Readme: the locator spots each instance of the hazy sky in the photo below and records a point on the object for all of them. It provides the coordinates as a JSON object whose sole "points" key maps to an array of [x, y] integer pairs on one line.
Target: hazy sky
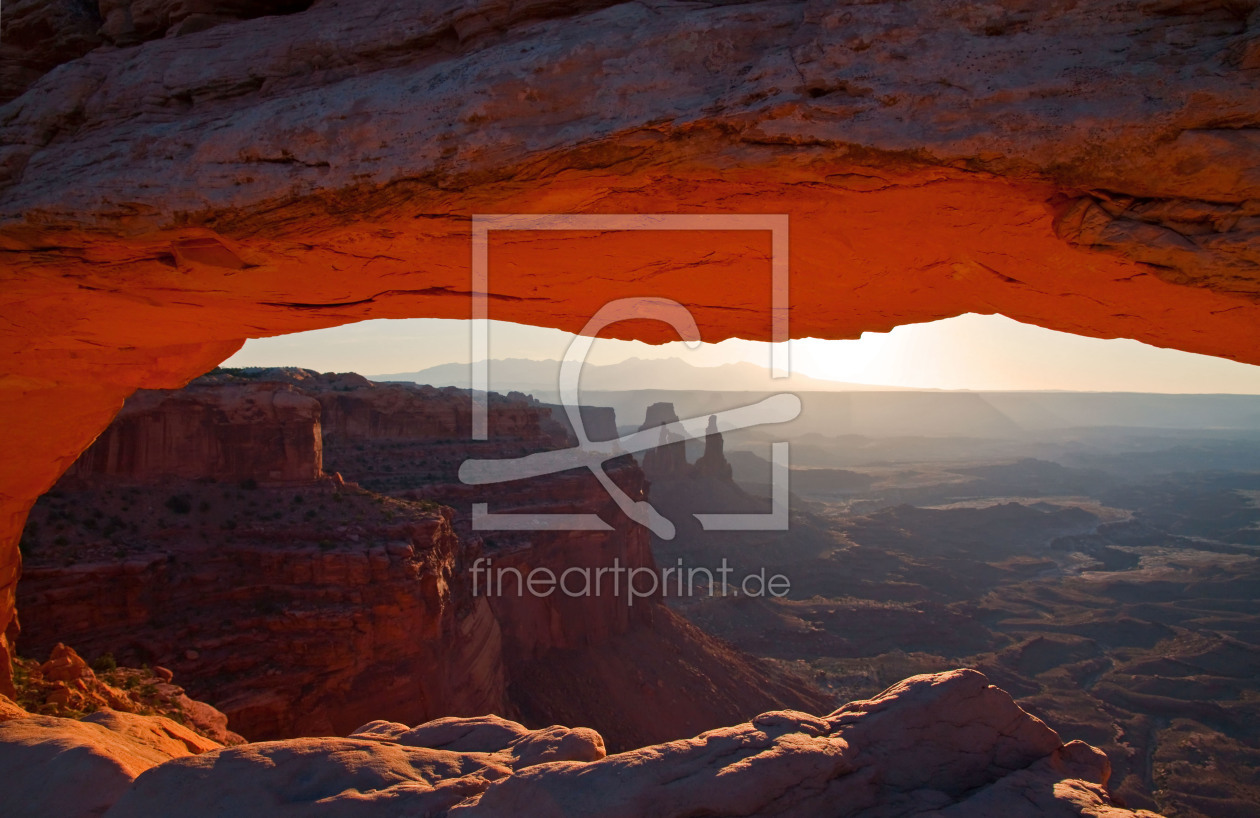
{"points": [[967, 352]]}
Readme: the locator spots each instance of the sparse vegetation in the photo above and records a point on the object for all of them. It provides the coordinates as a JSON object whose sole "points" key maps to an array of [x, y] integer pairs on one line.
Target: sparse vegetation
{"points": [[104, 663]]}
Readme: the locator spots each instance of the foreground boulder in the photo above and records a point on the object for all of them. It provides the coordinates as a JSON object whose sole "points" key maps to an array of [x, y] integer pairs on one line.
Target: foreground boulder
{"points": [[946, 744], [942, 744], [61, 767], [10, 709]]}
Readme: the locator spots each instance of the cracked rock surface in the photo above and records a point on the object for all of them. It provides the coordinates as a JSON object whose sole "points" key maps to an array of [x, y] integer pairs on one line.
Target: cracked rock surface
{"points": [[946, 744]]}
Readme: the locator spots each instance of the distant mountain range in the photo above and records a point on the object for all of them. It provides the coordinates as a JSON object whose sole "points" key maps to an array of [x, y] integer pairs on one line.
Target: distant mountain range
{"points": [[671, 374]]}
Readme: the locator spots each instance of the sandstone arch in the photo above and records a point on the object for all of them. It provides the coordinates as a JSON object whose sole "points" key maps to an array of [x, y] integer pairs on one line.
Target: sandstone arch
{"points": [[1093, 168]]}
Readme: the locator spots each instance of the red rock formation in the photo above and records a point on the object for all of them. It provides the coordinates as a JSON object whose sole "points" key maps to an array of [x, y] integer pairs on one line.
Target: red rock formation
{"points": [[10, 709], [301, 610], [941, 745], [668, 460], [1086, 167], [713, 462], [380, 412], [77, 769], [299, 627], [600, 422], [603, 658], [66, 686], [269, 433]]}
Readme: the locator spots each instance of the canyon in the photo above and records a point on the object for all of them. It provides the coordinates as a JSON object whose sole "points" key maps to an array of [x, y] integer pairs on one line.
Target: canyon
{"points": [[339, 602], [202, 533], [1103, 575]]}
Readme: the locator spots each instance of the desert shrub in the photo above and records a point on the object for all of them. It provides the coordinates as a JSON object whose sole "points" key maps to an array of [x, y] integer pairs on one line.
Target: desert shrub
{"points": [[104, 663], [249, 484]]}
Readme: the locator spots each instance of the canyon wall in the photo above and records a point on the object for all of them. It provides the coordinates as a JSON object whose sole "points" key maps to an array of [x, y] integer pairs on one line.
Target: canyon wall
{"points": [[229, 434], [1091, 168], [299, 608], [299, 627], [589, 651]]}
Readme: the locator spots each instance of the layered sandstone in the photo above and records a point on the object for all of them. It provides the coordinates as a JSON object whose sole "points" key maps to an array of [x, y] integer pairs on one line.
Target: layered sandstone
{"points": [[942, 745], [592, 652], [1086, 167], [264, 433], [301, 624], [681, 491], [304, 609]]}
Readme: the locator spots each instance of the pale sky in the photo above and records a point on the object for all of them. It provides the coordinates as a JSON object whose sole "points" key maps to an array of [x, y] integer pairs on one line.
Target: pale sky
{"points": [[983, 352]]}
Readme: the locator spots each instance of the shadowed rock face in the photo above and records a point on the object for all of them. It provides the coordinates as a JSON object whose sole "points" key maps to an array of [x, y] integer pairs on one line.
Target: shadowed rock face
{"points": [[229, 434], [1086, 167], [713, 462], [939, 745], [309, 607], [669, 458]]}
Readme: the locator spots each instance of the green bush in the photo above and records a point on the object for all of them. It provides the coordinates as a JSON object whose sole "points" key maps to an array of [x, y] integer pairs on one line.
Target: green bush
{"points": [[105, 663]]}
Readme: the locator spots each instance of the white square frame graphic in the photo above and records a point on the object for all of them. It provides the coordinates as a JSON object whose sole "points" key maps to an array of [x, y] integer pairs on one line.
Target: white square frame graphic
{"points": [[780, 355]]}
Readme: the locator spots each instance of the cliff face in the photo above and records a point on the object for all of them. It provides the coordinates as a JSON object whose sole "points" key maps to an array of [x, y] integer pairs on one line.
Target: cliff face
{"points": [[713, 462], [406, 412], [668, 460], [268, 434], [410, 441], [591, 652], [298, 624], [299, 609]]}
